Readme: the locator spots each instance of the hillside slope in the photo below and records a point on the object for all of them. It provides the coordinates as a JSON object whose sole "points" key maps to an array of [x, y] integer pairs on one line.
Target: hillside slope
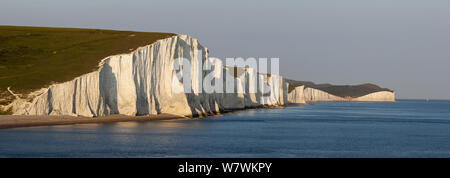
{"points": [[36, 57]]}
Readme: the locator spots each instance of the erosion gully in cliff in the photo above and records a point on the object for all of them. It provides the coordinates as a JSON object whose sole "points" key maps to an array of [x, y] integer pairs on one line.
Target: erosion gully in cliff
{"points": [[142, 82]]}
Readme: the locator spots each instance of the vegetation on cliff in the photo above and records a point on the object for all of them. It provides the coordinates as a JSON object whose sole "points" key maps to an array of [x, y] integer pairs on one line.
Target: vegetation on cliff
{"points": [[35, 57]]}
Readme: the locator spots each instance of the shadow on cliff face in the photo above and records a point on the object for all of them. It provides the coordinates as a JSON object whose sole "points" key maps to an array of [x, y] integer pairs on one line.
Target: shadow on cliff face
{"points": [[199, 103], [204, 104], [50, 103], [196, 101], [142, 101], [108, 92]]}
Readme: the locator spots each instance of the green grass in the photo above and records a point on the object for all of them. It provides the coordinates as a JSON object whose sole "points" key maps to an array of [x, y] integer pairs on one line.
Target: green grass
{"points": [[35, 57]]}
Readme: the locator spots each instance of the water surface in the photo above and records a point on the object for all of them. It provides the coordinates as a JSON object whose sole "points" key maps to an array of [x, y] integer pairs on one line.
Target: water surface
{"points": [[407, 128]]}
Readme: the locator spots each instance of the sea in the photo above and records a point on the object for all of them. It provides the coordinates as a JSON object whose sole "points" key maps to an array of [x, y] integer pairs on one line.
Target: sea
{"points": [[402, 129]]}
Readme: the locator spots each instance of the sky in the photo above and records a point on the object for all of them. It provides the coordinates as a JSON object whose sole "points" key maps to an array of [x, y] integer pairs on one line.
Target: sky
{"points": [[403, 45]]}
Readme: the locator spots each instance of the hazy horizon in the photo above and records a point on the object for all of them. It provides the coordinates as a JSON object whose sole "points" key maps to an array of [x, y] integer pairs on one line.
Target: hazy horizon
{"points": [[403, 45]]}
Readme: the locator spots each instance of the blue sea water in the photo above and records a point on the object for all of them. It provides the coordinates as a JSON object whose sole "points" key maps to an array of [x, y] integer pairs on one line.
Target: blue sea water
{"points": [[407, 128]]}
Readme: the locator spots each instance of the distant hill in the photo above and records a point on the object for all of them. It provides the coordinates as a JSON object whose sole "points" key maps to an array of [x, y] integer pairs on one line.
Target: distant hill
{"points": [[340, 90], [35, 57]]}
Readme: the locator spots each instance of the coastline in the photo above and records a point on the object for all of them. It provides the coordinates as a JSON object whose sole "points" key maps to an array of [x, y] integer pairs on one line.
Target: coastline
{"points": [[15, 121]]}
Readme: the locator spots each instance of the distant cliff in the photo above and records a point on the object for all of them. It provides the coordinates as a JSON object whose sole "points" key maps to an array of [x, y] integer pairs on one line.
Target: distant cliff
{"points": [[327, 92]]}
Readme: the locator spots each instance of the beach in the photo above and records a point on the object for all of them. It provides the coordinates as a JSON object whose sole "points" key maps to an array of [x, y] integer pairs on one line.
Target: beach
{"points": [[13, 121]]}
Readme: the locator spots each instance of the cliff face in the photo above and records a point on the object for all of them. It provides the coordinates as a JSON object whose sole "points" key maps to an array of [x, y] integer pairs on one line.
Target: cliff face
{"points": [[315, 95], [382, 96], [140, 83], [296, 96]]}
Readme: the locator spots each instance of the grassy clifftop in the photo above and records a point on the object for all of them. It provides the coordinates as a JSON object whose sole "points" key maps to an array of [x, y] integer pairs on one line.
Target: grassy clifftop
{"points": [[35, 57]]}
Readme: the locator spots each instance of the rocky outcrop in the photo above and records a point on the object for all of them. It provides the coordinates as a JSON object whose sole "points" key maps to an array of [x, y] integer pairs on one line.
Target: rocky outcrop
{"points": [[140, 83]]}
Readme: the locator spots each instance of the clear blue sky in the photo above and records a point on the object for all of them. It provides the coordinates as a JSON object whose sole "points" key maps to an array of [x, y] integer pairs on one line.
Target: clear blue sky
{"points": [[399, 44]]}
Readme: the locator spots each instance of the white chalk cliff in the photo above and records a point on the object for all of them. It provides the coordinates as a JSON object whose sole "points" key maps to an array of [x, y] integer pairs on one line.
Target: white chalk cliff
{"points": [[381, 96], [296, 96], [140, 83], [316, 95]]}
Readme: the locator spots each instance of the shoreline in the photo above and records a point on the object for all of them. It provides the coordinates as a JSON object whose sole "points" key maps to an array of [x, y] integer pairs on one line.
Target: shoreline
{"points": [[16, 121]]}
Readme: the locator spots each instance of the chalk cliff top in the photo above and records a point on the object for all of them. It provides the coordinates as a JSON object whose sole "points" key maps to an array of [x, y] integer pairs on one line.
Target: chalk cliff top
{"points": [[353, 91], [34, 57]]}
